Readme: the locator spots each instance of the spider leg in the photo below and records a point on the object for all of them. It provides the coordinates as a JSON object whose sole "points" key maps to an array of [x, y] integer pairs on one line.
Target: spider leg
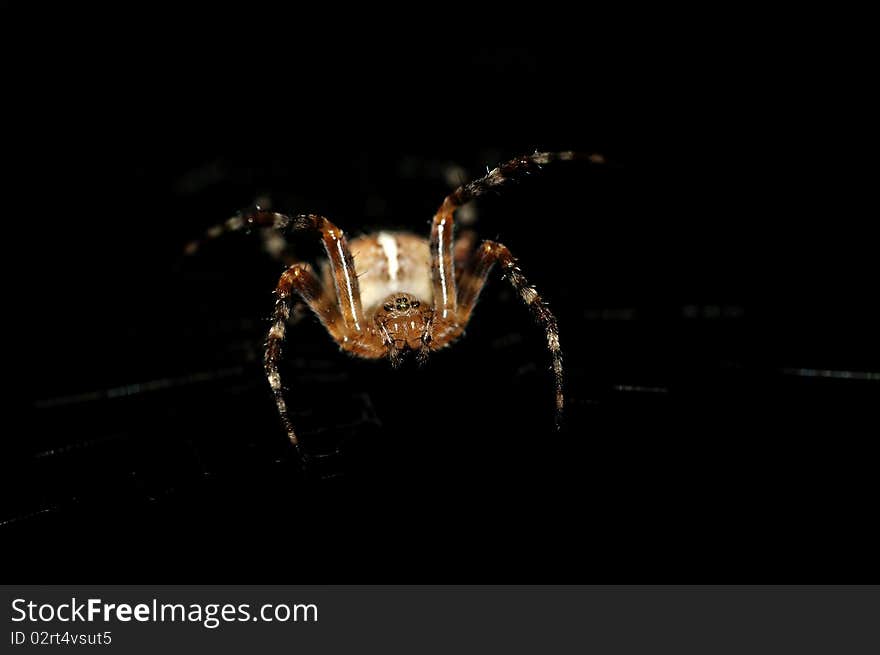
{"points": [[341, 261], [510, 172], [472, 284], [233, 224], [442, 258], [299, 280], [273, 243], [335, 245], [443, 266]]}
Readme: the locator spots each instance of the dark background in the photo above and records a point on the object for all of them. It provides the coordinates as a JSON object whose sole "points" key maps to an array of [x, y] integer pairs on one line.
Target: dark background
{"points": [[715, 291]]}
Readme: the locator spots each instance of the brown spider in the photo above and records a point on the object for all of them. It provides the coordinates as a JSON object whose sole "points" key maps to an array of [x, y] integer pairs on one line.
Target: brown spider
{"points": [[405, 293]]}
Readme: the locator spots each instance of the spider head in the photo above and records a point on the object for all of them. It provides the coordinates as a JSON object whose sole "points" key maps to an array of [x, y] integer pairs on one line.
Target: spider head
{"points": [[403, 321]]}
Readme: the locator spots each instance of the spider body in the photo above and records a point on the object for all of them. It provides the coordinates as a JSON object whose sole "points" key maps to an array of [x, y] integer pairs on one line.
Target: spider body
{"points": [[392, 293], [387, 263]]}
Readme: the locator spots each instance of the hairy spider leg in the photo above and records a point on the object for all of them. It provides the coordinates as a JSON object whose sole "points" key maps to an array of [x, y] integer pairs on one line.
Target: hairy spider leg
{"points": [[453, 309], [443, 259], [299, 280], [341, 264], [509, 172], [296, 279], [234, 224], [339, 312], [273, 242], [335, 245], [443, 266], [472, 284]]}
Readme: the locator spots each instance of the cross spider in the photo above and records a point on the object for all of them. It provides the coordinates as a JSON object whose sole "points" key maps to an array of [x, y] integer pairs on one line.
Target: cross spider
{"points": [[404, 293]]}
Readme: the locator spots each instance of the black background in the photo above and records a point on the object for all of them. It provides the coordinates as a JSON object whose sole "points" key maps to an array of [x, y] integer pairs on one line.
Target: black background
{"points": [[694, 281]]}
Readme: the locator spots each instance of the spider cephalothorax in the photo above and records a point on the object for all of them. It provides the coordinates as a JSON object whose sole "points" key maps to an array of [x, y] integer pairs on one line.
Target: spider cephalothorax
{"points": [[405, 324], [402, 293]]}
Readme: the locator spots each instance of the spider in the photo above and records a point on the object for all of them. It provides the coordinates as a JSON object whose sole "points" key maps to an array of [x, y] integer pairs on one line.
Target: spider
{"points": [[404, 294]]}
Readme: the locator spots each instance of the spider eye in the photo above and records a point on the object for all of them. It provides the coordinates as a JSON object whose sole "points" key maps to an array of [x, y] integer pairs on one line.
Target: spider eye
{"points": [[415, 303], [387, 306]]}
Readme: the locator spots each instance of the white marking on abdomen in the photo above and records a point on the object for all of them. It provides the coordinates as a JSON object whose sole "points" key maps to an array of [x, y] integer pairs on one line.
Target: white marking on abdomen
{"points": [[373, 264], [389, 247]]}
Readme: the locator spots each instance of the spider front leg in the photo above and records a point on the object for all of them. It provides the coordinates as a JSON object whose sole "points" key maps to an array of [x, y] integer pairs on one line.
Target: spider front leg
{"points": [[443, 265], [472, 284], [341, 262], [443, 252], [300, 280]]}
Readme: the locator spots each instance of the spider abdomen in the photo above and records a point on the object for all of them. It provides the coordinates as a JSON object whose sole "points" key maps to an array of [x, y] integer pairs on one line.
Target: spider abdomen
{"points": [[388, 263]]}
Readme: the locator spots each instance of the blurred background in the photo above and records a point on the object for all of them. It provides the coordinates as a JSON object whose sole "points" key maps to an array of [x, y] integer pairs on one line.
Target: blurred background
{"points": [[714, 288]]}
